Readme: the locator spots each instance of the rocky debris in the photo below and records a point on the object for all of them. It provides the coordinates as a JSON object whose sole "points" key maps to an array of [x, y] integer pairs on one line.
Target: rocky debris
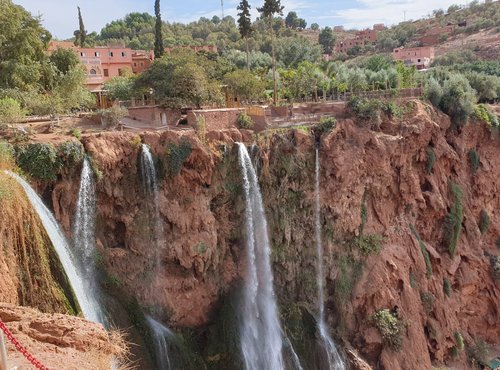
{"points": [[60, 341]]}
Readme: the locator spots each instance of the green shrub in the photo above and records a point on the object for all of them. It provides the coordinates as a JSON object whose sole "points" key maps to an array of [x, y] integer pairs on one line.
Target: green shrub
{"points": [[245, 121], [350, 271], [394, 110], [474, 160], [484, 221], [390, 327], [369, 244], [447, 289], [425, 252], [482, 113], [364, 217], [479, 353], [433, 91], [366, 110], [10, 110], [70, 153], [136, 142], [453, 220], [6, 155], [75, 133], [177, 155], [201, 128], [325, 125], [413, 280], [40, 161], [431, 159], [495, 267], [110, 118], [428, 301], [459, 340], [458, 99]]}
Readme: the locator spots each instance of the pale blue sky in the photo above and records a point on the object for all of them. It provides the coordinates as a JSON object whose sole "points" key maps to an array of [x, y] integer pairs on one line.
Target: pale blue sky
{"points": [[60, 16]]}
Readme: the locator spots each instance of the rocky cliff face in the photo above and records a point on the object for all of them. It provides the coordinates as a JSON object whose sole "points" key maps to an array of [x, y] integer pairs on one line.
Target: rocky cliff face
{"points": [[390, 204]]}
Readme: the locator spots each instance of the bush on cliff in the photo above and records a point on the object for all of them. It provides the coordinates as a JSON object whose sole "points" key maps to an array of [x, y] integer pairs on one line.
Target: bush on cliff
{"points": [[10, 111], [245, 121], [39, 160], [484, 221], [367, 111], [391, 328], [453, 220], [482, 113], [325, 125]]}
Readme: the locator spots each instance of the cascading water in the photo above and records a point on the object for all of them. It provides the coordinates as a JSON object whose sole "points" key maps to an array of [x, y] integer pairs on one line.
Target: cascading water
{"points": [[161, 337], [86, 300], [335, 362], [84, 250], [261, 341]]}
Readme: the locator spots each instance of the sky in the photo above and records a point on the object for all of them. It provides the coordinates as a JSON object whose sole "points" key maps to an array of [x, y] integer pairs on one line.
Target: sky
{"points": [[60, 16]]}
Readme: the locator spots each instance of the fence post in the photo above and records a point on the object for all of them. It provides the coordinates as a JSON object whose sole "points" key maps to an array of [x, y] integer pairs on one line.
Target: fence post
{"points": [[3, 353]]}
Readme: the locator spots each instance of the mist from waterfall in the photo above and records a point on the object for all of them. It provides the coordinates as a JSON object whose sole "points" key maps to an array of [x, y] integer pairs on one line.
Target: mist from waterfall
{"points": [[335, 361], [260, 332], [85, 297]]}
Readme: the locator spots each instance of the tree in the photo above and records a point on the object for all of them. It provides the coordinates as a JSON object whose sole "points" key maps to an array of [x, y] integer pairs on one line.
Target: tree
{"points": [[120, 88], [453, 8], [291, 51], [327, 40], [158, 31], [64, 60], [270, 8], [23, 42], [315, 26], [245, 25], [80, 34], [10, 111], [291, 20], [245, 85], [458, 99]]}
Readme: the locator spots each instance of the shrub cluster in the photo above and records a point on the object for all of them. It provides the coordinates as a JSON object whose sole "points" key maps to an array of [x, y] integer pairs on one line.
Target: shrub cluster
{"points": [[366, 110], [453, 220], [245, 121], [391, 328], [484, 221], [447, 289], [474, 160], [431, 159], [482, 113], [177, 155], [325, 125]]}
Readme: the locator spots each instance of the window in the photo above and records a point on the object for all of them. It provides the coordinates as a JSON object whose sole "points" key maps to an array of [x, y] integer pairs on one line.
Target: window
{"points": [[124, 54], [93, 71], [419, 60], [142, 64], [97, 54], [110, 53], [82, 54], [135, 64], [106, 73]]}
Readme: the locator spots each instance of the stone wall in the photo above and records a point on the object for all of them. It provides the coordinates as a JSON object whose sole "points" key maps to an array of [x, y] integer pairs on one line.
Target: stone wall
{"points": [[155, 115], [215, 119]]}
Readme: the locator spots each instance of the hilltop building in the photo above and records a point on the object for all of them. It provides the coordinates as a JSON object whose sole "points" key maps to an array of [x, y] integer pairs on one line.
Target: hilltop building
{"points": [[421, 57], [361, 39]]}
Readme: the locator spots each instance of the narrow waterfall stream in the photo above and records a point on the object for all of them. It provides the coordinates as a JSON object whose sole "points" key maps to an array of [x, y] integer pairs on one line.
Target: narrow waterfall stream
{"points": [[335, 362], [260, 334], [84, 250], [161, 335], [86, 300]]}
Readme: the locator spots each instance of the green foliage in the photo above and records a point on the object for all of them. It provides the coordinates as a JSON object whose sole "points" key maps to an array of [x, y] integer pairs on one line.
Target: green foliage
{"points": [[327, 40], [70, 153], [40, 161], [64, 60], [158, 31], [201, 128], [458, 99], [292, 51], [406, 75], [111, 117], [474, 160], [394, 110], [484, 221], [80, 34], [365, 110], [244, 19], [245, 85], [121, 88], [75, 133], [369, 244], [431, 159], [433, 91], [425, 252], [6, 155], [447, 289], [270, 8], [495, 267], [453, 220], [325, 125], [428, 301], [459, 340], [391, 328], [413, 280], [176, 155], [482, 113], [350, 271], [245, 121], [10, 111]]}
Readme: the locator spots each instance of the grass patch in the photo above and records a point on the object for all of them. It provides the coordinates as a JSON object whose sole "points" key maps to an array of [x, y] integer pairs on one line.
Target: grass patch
{"points": [[431, 159], [350, 271], [453, 220], [176, 155], [425, 252], [484, 221], [447, 289], [474, 160], [369, 244], [428, 301]]}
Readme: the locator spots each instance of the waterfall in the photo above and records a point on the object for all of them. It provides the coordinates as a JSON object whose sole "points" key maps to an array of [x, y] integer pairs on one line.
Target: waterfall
{"points": [[333, 357], [261, 341], [161, 336], [84, 250], [150, 182], [85, 297]]}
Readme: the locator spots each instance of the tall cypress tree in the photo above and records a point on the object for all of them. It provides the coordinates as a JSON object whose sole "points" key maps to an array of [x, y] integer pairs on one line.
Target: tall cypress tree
{"points": [[158, 32], [270, 8], [80, 34], [245, 24]]}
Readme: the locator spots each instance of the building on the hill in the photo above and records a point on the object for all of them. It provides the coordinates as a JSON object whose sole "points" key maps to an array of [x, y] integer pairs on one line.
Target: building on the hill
{"points": [[141, 60], [361, 39], [101, 63], [420, 57]]}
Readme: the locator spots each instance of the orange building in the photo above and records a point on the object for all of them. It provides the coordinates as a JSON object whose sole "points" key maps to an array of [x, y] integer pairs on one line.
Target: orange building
{"points": [[101, 63], [361, 39], [421, 57], [141, 60]]}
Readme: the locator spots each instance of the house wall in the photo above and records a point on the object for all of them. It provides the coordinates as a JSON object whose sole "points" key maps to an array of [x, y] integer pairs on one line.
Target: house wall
{"points": [[215, 119], [152, 115]]}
